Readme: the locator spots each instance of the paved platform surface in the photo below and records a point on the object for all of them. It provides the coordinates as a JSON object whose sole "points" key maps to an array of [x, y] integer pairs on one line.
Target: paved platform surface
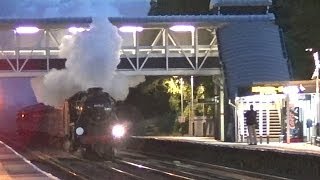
{"points": [[293, 148], [15, 166]]}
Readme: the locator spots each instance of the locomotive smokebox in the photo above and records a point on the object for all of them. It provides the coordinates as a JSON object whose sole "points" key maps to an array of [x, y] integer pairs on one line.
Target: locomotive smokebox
{"points": [[95, 90]]}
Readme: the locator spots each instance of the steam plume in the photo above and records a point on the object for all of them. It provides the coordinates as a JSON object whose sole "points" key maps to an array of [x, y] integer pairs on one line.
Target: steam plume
{"points": [[92, 56]]}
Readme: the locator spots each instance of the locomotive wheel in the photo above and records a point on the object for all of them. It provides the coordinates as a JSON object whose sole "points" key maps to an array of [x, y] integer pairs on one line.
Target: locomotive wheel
{"points": [[109, 152], [67, 145]]}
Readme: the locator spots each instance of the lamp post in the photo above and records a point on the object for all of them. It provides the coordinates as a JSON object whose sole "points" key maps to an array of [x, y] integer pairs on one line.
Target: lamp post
{"points": [[181, 92], [315, 75]]}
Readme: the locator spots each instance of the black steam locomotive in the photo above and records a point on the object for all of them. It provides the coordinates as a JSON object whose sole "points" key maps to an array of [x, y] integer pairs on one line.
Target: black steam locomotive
{"points": [[95, 126], [87, 122]]}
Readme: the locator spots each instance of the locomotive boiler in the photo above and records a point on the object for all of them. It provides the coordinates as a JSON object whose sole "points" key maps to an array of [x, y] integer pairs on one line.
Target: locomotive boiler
{"points": [[87, 122]]}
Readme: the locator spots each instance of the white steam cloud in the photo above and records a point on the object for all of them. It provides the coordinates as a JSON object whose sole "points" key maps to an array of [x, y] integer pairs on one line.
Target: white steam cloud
{"points": [[92, 56]]}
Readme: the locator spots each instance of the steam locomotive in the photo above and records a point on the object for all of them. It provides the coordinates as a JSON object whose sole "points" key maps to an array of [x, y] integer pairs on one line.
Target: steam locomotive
{"points": [[87, 122]]}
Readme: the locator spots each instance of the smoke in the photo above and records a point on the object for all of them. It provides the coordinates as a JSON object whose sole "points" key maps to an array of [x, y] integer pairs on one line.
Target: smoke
{"points": [[92, 56]]}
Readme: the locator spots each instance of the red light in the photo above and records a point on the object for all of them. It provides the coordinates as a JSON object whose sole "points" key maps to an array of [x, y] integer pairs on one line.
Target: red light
{"points": [[22, 115]]}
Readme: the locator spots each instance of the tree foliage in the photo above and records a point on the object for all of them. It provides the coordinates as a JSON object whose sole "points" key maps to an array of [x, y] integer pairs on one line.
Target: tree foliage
{"points": [[299, 20]]}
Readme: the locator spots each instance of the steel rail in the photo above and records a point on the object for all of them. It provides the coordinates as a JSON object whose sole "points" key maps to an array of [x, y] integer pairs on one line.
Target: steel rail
{"points": [[212, 166], [104, 165], [182, 172], [168, 174], [54, 162]]}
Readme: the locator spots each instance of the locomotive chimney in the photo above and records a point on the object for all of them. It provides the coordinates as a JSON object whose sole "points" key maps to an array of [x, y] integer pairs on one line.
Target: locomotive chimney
{"points": [[95, 90]]}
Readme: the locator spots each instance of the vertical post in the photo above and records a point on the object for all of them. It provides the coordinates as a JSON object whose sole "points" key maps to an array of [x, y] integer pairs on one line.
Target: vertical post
{"points": [[167, 48], [216, 108], [221, 100], [260, 119], [241, 119], [191, 112], [268, 121], [17, 49], [164, 39], [181, 91], [317, 95], [316, 73], [46, 36], [236, 123], [137, 49], [235, 119], [288, 118], [195, 44]]}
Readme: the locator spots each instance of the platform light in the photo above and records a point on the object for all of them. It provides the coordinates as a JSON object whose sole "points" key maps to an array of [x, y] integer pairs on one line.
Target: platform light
{"points": [[27, 30], [131, 29], [291, 90], [79, 131], [118, 131], [75, 30], [182, 28]]}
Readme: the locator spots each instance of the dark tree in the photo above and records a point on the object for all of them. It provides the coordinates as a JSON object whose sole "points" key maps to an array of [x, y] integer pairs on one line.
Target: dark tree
{"points": [[300, 22]]}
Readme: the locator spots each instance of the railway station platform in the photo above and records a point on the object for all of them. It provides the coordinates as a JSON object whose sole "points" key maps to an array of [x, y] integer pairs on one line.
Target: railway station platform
{"points": [[303, 148], [293, 161], [15, 166]]}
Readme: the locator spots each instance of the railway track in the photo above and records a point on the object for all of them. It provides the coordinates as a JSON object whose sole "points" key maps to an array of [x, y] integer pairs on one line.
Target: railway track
{"points": [[134, 165], [73, 167], [193, 169], [116, 169]]}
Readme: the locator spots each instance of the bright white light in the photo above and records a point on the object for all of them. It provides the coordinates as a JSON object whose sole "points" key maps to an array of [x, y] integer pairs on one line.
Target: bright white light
{"points": [[75, 30], [68, 36], [316, 59], [291, 90], [131, 29], [182, 28], [302, 88], [27, 30], [79, 131], [118, 131]]}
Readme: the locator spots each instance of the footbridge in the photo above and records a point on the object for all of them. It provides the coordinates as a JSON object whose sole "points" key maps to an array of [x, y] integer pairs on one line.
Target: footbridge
{"points": [[154, 48]]}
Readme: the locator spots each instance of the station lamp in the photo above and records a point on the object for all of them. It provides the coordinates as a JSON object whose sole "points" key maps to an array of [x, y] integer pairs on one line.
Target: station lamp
{"points": [[315, 76], [182, 28], [75, 30], [130, 29], [27, 30]]}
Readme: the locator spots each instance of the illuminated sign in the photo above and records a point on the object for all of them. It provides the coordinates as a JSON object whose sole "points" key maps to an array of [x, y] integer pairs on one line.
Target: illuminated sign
{"points": [[267, 90]]}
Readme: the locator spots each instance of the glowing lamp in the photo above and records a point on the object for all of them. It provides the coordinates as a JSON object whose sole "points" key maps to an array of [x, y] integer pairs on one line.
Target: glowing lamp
{"points": [[27, 30], [182, 28], [131, 29], [75, 30], [291, 90], [316, 59], [118, 131]]}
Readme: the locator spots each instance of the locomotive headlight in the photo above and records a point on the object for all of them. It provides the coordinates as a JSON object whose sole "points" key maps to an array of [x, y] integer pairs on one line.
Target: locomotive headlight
{"points": [[118, 131], [107, 109], [79, 131]]}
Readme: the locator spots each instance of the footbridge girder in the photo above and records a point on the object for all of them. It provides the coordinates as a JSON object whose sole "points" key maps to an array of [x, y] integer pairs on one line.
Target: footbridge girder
{"points": [[156, 50]]}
